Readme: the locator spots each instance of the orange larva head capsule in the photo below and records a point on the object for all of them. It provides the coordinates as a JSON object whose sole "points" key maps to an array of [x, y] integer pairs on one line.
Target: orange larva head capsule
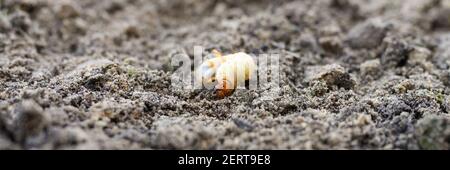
{"points": [[224, 88]]}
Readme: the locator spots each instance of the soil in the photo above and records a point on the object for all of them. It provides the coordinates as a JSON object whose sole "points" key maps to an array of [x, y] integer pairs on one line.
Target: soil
{"points": [[96, 74]]}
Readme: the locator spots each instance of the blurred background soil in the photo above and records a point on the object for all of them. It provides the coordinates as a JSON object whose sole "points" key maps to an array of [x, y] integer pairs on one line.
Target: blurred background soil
{"points": [[96, 74]]}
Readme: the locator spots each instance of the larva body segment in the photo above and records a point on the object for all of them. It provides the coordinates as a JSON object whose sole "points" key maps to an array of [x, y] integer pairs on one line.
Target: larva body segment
{"points": [[237, 69]]}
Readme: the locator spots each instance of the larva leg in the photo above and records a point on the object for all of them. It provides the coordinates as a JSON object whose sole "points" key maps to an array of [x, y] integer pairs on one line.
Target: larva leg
{"points": [[217, 53]]}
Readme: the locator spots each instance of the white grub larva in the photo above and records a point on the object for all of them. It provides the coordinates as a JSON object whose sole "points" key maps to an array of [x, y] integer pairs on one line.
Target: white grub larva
{"points": [[226, 71]]}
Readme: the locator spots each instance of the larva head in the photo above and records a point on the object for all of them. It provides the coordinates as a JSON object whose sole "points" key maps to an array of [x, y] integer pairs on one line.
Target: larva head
{"points": [[224, 88]]}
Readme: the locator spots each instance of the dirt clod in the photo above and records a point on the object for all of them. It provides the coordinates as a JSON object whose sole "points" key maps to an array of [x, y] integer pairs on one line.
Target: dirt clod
{"points": [[30, 122]]}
